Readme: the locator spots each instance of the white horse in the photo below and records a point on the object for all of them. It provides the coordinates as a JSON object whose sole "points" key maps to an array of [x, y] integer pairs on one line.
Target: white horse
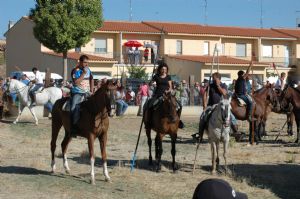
{"points": [[218, 131], [46, 96]]}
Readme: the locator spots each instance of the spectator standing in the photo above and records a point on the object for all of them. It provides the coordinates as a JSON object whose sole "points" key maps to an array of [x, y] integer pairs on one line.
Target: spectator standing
{"points": [[184, 93], [146, 54], [131, 55], [137, 56], [144, 93], [197, 93]]}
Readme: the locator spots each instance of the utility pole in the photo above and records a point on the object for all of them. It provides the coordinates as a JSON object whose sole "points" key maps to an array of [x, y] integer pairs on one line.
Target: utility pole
{"points": [[261, 14], [298, 19], [205, 12], [130, 12]]}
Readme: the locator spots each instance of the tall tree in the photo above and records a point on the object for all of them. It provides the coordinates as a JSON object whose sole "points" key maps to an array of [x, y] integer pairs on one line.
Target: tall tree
{"points": [[61, 25]]}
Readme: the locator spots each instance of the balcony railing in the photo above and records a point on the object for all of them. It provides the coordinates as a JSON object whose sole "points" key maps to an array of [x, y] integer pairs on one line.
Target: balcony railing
{"points": [[126, 58]]}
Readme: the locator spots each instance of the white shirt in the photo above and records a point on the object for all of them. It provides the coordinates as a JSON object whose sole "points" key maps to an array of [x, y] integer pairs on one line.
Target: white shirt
{"points": [[38, 78], [279, 84]]}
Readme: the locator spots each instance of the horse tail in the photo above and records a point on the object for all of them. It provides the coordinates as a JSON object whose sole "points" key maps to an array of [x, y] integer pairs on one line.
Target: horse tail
{"points": [[56, 124]]}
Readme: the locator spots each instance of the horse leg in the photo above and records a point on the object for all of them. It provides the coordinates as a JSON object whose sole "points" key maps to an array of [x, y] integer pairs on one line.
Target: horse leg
{"points": [[158, 143], [102, 141], [21, 108], [298, 131], [64, 146], [173, 151], [91, 140], [217, 159], [56, 125], [213, 155], [33, 114], [148, 133], [290, 119], [225, 145]]}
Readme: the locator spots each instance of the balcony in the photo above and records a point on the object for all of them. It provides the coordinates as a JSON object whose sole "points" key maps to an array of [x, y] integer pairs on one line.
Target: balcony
{"points": [[126, 58]]}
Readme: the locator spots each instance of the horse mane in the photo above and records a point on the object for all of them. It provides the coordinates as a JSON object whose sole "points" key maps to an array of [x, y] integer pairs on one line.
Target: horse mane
{"points": [[18, 82], [259, 90], [297, 90], [93, 104]]}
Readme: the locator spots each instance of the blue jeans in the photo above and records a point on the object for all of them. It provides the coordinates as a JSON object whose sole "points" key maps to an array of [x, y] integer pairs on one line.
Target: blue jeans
{"points": [[121, 107], [76, 99], [33, 89], [248, 102]]}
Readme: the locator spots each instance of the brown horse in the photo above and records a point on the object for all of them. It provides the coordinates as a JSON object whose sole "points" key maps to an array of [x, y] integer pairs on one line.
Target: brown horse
{"points": [[262, 100], [93, 123], [291, 95], [164, 120]]}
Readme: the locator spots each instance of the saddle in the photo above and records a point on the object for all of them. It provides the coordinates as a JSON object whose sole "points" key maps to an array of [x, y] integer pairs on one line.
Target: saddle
{"points": [[241, 102], [67, 105]]}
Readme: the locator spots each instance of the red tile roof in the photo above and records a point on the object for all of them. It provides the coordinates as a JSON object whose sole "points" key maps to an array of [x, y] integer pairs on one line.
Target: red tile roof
{"points": [[216, 30], [292, 32], [127, 27], [222, 60], [76, 55]]}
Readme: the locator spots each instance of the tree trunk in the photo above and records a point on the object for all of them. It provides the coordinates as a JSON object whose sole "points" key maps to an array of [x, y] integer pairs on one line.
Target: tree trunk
{"points": [[65, 56]]}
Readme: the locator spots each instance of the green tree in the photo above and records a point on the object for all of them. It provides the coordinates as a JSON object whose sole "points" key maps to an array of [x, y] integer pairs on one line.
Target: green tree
{"points": [[61, 25], [138, 72]]}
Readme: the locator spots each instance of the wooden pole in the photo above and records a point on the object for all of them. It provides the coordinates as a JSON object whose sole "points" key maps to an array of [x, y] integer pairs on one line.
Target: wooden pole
{"points": [[253, 107], [192, 83], [47, 77]]}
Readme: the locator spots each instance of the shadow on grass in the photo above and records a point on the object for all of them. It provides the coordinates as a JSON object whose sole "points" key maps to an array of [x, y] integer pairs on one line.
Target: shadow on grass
{"points": [[282, 179], [32, 172], [22, 170]]}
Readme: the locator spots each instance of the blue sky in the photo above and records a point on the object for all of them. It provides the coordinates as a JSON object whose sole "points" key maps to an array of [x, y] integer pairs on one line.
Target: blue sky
{"points": [[276, 13]]}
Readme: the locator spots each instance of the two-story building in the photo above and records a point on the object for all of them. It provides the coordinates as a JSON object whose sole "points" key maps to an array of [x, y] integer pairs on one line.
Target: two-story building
{"points": [[189, 49]]}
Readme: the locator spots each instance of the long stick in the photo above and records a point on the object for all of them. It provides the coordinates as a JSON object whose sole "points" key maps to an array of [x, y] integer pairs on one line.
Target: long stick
{"points": [[211, 70], [198, 144], [137, 144], [253, 109], [138, 140]]}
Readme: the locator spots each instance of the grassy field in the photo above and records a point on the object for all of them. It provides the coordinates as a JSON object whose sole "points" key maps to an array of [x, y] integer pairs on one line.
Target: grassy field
{"points": [[267, 170]]}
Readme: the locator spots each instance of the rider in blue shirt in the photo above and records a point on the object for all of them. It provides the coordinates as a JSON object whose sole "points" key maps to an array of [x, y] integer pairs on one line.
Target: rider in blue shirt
{"points": [[83, 86]]}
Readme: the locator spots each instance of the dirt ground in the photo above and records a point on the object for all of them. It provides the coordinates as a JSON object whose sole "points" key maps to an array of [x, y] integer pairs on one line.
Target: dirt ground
{"points": [[268, 170]]}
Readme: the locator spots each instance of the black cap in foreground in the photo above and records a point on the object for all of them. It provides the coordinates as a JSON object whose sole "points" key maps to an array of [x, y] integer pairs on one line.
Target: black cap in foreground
{"points": [[216, 189]]}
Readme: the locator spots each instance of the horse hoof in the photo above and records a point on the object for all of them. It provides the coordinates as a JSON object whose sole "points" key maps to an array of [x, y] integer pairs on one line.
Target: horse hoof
{"points": [[14, 122], [68, 172], [108, 180], [93, 182]]}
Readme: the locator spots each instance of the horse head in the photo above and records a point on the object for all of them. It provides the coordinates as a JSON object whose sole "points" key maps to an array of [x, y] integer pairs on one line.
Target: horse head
{"points": [[169, 105], [285, 98], [224, 108], [272, 97]]}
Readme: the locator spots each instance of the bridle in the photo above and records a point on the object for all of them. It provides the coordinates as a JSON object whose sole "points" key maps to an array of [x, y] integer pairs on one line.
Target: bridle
{"points": [[17, 91]]}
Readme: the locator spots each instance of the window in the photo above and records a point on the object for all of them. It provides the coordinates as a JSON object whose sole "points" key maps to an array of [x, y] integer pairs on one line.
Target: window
{"points": [[223, 49], [241, 50], [100, 46], [206, 48], [179, 47], [267, 51], [78, 49]]}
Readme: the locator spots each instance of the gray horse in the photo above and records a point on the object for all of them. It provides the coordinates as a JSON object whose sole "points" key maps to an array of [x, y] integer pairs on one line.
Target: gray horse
{"points": [[218, 130]]}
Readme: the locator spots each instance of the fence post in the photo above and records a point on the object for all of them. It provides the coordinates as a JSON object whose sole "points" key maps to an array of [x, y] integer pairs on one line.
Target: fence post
{"points": [[47, 84], [47, 77], [191, 84]]}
